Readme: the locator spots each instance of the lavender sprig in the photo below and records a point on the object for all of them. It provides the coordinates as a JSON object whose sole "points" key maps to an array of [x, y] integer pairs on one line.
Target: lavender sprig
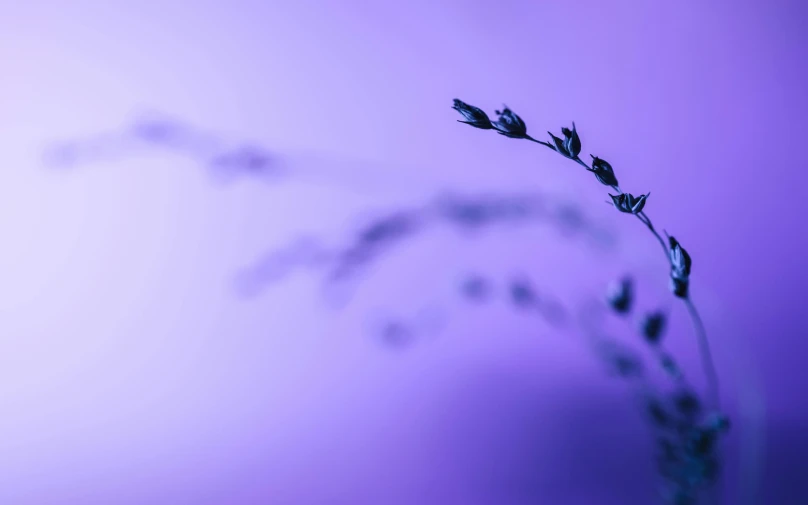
{"points": [[511, 125]]}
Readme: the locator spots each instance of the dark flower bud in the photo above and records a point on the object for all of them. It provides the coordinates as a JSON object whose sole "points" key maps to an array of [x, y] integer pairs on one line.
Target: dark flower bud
{"points": [[570, 145], [680, 268], [603, 171], [679, 287], [510, 125], [652, 326], [680, 259], [620, 295], [626, 202], [474, 116]]}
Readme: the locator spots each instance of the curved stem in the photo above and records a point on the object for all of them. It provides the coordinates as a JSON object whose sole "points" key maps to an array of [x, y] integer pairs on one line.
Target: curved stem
{"points": [[647, 221], [706, 355], [528, 137], [701, 333]]}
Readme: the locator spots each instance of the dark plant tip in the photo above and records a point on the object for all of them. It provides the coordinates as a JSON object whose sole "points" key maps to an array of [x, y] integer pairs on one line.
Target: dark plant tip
{"points": [[620, 296], [687, 403], [652, 326]]}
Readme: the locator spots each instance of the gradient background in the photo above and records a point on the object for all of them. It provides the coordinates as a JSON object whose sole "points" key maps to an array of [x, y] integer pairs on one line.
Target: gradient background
{"points": [[132, 373]]}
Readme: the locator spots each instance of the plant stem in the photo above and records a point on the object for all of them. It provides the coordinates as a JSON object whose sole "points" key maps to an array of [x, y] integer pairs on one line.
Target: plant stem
{"points": [[701, 333], [539, 142], [647, 221], [706, 355]]}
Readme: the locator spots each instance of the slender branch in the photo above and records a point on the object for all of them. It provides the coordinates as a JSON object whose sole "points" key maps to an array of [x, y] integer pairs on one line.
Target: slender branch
{"points": [[647, 221], [547, 144], [510, 125], [701, 333], [642, 216], [706, 355]]}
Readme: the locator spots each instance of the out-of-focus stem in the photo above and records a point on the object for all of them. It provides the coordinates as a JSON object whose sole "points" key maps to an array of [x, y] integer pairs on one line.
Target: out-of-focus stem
{"points": [[706, 355]]}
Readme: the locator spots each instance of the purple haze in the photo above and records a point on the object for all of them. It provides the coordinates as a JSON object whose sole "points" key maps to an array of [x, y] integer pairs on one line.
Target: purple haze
{"points": [[132, 373]]}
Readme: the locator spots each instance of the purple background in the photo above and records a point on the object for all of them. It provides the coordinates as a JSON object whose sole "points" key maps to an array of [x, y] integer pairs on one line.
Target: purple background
{"points": [[130, 373]]}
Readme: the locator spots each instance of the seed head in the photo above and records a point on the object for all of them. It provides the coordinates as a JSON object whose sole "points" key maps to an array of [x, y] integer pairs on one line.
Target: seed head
{"points": [[510, 125], [628, 203], [603, 171], [652, 326], [620, 295], [473, 116], [570, 145]]}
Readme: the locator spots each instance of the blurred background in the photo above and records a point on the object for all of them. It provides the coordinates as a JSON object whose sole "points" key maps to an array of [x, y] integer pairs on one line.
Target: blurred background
{"points": [[163, 163]]}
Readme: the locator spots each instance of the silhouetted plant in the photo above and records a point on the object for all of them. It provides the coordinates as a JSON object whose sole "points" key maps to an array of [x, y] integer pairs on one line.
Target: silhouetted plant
{"points": [[383, 233], [688, 460], [687, 433], [679, 260], [221, 158]]}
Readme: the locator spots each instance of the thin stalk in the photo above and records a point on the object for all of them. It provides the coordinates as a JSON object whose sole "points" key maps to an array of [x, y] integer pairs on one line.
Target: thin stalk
{"points": [[706, 355], [647, 221], [701, 334]]}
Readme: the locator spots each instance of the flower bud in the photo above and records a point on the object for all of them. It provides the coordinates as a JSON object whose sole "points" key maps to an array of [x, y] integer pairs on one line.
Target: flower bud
{"points": [[620, 296], [570, 145], [628, 203], [680, 287], [510, 125], [680, 268], [687, 403], [474, 116], [652, 326], [603, 171]]}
